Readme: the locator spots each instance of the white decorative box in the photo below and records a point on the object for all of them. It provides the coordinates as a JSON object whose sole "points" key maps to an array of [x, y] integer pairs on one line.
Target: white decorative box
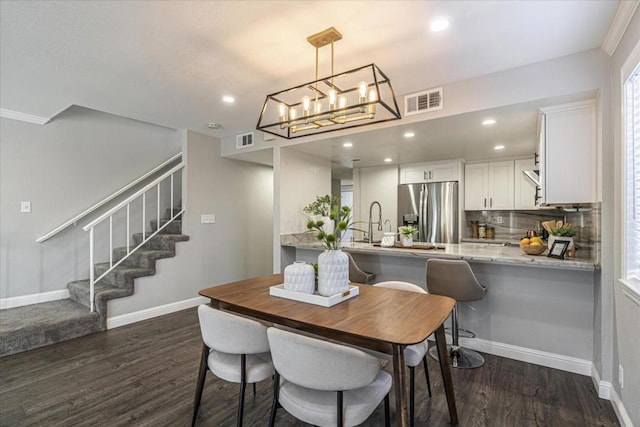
{"points": [[317, 299]]}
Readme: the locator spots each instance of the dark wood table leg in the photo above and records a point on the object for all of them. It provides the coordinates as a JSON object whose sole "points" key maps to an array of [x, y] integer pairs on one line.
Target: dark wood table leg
{"points": [[441, 344], [400, 386]]}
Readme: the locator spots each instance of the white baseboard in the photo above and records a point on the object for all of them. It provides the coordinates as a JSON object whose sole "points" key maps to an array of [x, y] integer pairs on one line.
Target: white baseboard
{"points": [[524, 354], [620, 410], [608, 392], [13, 302], [603, 387], [149, 313]]}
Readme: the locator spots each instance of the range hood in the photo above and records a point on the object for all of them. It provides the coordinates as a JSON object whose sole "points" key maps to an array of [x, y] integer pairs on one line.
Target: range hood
{"points": [[533, 176]]}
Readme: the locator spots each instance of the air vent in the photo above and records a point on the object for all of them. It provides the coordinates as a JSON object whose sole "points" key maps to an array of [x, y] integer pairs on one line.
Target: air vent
{"points": [[422, 102], [244, 140]]}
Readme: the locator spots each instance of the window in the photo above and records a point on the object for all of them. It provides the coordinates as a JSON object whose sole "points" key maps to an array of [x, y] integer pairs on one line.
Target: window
{"points": [[631, 202]]}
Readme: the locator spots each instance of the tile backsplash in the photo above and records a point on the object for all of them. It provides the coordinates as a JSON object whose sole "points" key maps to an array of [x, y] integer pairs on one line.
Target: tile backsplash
{"points": [[512, 225]]}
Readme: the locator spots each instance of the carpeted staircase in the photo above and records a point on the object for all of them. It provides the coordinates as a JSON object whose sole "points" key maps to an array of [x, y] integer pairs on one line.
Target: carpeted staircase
{"points": [[37, 325]]}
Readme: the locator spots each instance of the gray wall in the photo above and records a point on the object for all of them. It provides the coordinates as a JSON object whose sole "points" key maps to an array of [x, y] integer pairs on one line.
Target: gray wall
{"points": [[63, 168], [625, 343]]}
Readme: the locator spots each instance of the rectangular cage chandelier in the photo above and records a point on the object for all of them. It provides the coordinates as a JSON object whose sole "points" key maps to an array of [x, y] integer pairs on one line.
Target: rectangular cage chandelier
{"points": [[357, 97]]}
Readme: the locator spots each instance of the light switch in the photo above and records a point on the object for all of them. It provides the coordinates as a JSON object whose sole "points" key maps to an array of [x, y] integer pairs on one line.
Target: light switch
{"points": [[207, 219], [25, 207]]}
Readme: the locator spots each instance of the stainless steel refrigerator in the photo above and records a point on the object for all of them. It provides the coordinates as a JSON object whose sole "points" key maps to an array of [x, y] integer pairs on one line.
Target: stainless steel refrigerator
{"points": [[431, 208]]}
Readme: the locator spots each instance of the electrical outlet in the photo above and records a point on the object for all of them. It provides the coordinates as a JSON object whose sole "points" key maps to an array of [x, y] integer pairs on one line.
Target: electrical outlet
{"points": [[207, 219], [498, 220], [621, 376], [25, 207]]}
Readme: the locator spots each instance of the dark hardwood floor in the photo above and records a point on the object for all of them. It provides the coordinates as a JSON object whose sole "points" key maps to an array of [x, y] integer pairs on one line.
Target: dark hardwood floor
{"points": [[144, 375]]}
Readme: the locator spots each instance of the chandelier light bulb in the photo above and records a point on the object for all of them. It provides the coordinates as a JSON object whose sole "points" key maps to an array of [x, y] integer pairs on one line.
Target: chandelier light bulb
{"points": [[332, 98], [373, 97], [292, 113], [362, 89], [306, 103], [283, 111], [343, 102]]}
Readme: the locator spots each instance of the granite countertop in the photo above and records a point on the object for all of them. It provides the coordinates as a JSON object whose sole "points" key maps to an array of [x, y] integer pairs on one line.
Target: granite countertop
{"points": [[476, 252]]}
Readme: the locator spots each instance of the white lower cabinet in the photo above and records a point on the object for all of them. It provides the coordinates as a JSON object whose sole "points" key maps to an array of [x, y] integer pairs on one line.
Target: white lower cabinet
{"points": [[488, 186]]}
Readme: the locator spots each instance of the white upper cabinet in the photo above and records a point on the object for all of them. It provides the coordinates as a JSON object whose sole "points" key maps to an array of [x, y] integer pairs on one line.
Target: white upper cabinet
{"points": [[488, 186], [568, 153], [430, 172], [524, 189]]}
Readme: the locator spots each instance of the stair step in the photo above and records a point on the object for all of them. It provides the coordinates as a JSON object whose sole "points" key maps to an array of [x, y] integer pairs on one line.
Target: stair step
{"points": [[161, 241], [123, 275], [80, 291], [143, 257], [171, 212], [32, 326], [173, 227]]}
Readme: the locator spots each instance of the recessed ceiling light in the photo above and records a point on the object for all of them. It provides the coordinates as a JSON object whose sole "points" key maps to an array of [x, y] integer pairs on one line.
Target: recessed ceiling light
{"points": [[347, 145], [409, 134], [498, 147], [228, 99], [488, 122], [388, 160], [439, 24]]}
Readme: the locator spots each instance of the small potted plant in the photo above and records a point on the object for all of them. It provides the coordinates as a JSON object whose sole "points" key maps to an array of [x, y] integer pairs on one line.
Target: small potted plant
{"points": [[562, 232], [406, 235]]}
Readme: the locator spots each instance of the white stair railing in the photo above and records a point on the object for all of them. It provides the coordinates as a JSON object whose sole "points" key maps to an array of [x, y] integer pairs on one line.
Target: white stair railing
{"points": [[106, 200], [140, 194]]}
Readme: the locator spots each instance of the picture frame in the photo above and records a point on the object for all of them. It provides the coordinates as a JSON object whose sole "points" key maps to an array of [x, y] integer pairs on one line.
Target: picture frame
{"points": [[559, 248]]}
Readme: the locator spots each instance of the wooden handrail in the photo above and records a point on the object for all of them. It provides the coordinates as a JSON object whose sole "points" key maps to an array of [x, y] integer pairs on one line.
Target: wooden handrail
{"points": [[83, 214]]}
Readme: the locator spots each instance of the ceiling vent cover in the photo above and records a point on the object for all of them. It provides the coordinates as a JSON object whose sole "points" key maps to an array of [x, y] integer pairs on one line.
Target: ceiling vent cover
{"points": [[422, 102], [244, 140]]}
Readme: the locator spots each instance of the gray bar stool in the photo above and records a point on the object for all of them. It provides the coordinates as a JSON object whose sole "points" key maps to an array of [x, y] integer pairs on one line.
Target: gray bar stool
{"points": [[455, 279], [356, 274]]}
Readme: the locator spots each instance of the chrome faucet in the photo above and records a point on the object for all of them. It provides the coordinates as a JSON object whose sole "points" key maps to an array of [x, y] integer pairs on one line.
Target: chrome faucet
{"points": [[370, 237]]}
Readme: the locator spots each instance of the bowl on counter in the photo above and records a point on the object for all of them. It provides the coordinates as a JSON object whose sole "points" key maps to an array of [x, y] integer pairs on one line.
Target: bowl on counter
{"points": [[533, 249]]}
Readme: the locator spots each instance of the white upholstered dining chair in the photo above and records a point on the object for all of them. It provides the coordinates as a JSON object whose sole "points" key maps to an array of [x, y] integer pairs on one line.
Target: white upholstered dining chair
{"points": [[413, 354], [324, 383], [235, 349]]}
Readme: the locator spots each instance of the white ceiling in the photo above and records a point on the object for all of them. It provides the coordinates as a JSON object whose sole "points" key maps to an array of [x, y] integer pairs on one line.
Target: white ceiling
{"points": [[171, 62]]}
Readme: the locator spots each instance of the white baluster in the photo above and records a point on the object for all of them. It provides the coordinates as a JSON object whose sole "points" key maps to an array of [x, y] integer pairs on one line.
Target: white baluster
{"points": [[91, 269]]}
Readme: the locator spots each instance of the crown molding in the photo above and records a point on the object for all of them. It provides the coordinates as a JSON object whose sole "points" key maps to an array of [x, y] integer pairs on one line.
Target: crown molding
{"points": [[619, 25], [23, 117]]}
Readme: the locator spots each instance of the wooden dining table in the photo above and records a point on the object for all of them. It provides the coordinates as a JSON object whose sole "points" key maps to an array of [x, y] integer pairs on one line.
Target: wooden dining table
{"points": [[380, 319]]}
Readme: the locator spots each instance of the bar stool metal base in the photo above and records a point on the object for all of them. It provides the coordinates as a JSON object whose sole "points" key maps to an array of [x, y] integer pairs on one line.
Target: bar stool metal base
{"points": [[460, 358]]}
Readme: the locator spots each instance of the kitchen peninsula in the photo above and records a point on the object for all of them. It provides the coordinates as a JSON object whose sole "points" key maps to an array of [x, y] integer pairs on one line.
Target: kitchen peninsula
{"points": [[537, 309]]}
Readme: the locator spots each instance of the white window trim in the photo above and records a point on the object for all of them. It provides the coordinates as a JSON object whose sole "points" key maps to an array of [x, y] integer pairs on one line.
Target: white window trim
{"points": [[630, 287], [629, 291]]}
